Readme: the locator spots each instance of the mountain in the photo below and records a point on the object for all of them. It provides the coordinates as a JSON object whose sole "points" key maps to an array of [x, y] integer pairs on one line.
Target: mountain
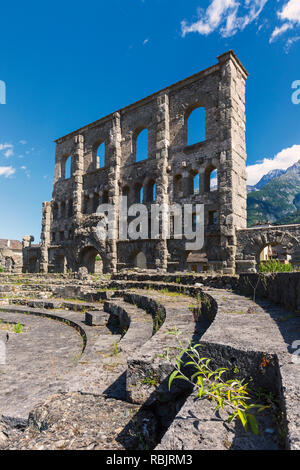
{"points": [[278, 201], [293, 218], [265, 180]]}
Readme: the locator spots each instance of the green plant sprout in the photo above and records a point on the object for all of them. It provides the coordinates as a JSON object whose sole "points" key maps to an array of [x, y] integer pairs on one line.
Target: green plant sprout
{"points": [[231, 395], [18, 328]]}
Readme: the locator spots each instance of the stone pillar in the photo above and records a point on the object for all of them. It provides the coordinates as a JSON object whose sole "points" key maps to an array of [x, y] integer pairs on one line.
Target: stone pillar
{"points": [[186, 184], [67, 209], [202, 180], [232, 171], [78, 177], [59, 213], [26, 243], [45, 236], [114, 160], [91, 203], [162, 150]]}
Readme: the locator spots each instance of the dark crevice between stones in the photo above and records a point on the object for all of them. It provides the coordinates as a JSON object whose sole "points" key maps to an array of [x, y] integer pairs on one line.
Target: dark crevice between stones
{"points": [[15, 423]]}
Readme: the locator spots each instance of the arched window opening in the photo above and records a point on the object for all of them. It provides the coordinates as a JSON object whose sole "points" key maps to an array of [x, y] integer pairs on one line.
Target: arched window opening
{"points": [[126, 192], [100, 158], [211, 179], [86, 201], [141, 195], [55, 210], [195, 222], [140, 260], [96, 200], [196, 126], [68, 165], [105, 197], [142, 146], [151, 191], [70, 208], [212, 218], [196, 184], [92, 260], [138, 194], [63, 209], [154, 192], [178, 187]]}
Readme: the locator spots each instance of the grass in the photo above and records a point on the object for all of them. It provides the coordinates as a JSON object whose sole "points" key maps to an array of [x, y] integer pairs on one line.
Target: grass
{"points": [[152, 380], [235, 312], [11, 326]]}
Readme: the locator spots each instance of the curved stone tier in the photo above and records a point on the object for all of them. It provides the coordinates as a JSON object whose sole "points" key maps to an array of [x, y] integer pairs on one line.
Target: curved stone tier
{"points": [[120, 358]]}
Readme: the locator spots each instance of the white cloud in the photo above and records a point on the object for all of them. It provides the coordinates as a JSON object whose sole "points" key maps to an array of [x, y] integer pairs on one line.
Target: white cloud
{"points": [[279, 30], [290, 15], [291, 11], [8, 149], [224, 15], [23, 142], [7, 171], [5, 146], [281, 161], [8, 153]]}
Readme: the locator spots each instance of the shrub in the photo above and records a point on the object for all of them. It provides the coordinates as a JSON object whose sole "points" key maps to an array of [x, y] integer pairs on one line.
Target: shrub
{"points": [[231, 395], [274, 266]]}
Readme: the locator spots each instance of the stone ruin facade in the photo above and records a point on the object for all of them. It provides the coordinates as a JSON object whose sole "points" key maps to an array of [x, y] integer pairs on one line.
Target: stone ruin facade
{"points": [[69, 221], [11, 256], [69, 239]]}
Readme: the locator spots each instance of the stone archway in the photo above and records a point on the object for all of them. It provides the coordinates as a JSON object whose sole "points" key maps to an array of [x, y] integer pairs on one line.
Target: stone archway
{"points": [[91, 259], [140, 260], [278, 239], [33, 264], [251, 243]]}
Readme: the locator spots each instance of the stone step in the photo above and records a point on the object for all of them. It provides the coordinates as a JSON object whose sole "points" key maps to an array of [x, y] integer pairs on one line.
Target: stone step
{"points": [[96, 318], [147, 370], [137, 324], [76, 306]]}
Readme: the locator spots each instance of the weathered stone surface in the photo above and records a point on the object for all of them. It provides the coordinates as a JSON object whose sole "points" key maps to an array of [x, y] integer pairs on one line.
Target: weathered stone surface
{"points": [[122, 360], [70, 220], [198, 427], [83, 422], [96, 318]]}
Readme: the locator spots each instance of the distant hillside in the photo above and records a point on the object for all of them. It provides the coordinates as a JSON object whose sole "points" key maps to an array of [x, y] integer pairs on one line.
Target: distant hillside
{"points": [[278, 201], [293, 218]]}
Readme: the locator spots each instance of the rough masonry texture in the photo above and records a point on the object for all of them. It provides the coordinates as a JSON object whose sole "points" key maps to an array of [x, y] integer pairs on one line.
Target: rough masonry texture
{"points": [[69, 220], [11, 256], [69, 239]]}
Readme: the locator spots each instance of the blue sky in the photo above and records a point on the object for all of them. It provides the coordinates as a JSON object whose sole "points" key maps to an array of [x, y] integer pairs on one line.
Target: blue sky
{"points": [[66, 64]]}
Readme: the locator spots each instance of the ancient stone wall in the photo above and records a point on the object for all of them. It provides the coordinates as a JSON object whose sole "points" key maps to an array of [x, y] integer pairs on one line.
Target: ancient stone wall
{"points": [[70, 219], [251, 241]]}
